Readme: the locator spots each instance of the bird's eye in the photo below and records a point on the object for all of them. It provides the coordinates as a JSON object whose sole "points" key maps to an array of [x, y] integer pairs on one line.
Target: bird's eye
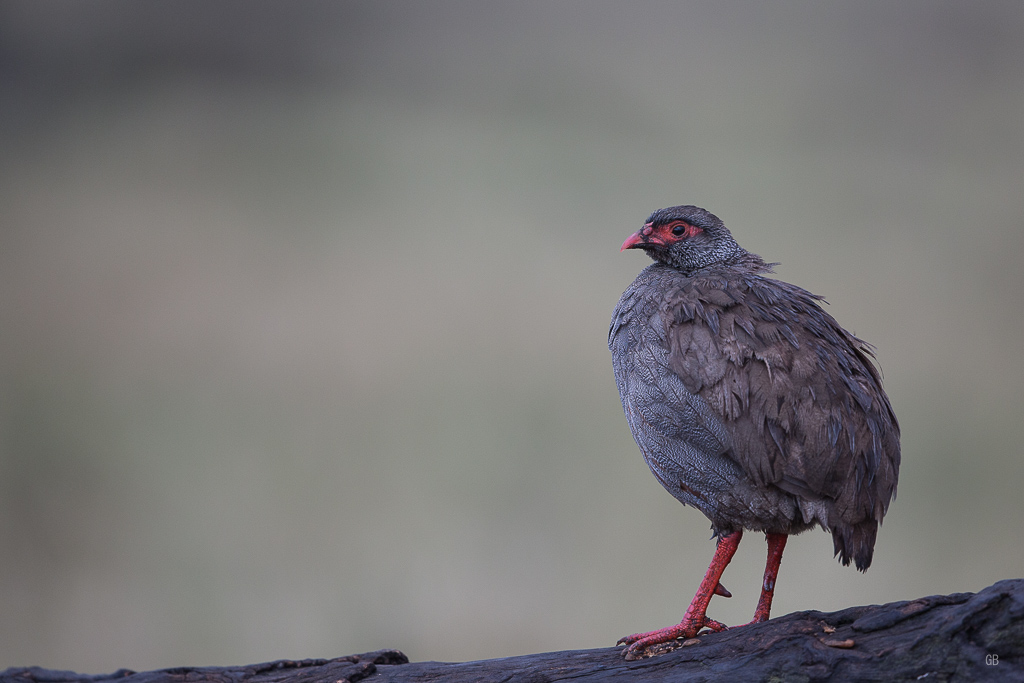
{"points": [[678, 230]]}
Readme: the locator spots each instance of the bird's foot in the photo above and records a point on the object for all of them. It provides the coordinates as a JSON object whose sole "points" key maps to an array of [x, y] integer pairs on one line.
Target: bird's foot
{"points": [[758, 619], [688, 628]]}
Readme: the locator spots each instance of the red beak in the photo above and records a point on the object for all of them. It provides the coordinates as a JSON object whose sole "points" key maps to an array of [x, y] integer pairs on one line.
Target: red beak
{"points": [[640, 238], [633, 240]]}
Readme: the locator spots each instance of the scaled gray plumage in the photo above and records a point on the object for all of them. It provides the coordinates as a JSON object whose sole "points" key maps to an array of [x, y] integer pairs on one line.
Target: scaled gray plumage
{"points": [[748, 400]]}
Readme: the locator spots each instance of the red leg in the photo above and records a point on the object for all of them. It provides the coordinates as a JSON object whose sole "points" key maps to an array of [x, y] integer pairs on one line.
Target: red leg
{"points": [[776, 544], [695, 618]]}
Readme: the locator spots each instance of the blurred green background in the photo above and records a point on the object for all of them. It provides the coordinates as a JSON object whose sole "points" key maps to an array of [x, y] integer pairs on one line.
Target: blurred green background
{"points": [[303, 310]]}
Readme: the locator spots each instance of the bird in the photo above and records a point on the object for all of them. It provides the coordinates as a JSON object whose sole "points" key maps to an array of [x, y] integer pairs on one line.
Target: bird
{"points": [[749, 402]]}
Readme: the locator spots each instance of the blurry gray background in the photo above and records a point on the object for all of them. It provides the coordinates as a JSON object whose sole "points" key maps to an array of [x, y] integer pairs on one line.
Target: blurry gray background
{"points": [[303, 310]]}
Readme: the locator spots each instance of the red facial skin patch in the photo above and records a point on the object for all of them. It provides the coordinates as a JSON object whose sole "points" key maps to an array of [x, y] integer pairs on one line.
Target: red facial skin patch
{"points": [[662, 235]]}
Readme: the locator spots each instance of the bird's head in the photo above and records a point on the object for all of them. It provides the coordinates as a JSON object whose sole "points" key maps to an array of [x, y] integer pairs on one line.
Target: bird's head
{"points": [[686, 237]]}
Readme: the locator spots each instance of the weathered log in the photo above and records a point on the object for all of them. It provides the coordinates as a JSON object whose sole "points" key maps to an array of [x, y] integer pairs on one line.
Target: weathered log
{"points": [[963, 636]]}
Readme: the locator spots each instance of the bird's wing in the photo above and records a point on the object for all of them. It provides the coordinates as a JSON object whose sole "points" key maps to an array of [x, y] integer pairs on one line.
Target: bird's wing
{"points": [[800, 399]]}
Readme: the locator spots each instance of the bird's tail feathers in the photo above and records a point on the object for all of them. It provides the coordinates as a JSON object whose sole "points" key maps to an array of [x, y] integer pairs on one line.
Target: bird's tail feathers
{"points": [[855, 543]]}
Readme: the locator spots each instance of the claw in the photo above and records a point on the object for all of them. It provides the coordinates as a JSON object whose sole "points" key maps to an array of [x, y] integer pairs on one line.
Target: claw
{"points": [[696, 617], [689, 628], [714, 626]]}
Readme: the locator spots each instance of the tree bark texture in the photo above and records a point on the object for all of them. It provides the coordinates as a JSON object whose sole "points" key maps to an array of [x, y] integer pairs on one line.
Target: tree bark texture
{"points": [[958, 637]]}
